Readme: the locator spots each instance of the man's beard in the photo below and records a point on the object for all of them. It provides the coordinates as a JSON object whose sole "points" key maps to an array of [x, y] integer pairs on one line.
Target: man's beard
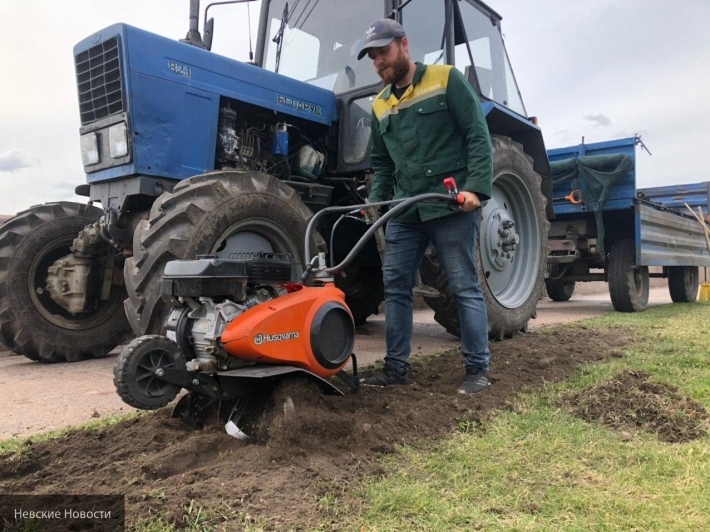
{"points": [[394, 72]]}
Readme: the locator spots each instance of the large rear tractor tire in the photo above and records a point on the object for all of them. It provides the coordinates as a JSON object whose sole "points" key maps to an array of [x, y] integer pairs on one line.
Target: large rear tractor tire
{"points": [[683, 283], [558, 290], [511, 274], [31, 323], [628, 284], [219, 213]]}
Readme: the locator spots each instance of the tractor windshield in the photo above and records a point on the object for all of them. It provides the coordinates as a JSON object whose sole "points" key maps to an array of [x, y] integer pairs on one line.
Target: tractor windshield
{"points": [[424, 22], [320, 41]]}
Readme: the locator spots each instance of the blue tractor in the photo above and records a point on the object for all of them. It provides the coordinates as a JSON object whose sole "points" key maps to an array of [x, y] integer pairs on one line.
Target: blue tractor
{"points": [[191, 153]]}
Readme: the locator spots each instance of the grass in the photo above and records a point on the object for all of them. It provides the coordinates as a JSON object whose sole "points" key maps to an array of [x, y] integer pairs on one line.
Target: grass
{"points": [[198, 519], [537, 468], [13, 445]]}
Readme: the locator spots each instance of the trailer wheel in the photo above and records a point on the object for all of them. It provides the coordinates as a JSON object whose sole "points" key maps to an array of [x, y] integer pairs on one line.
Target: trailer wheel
{"points": [[217, 213], [31, 323], [683, 283], [628, 284], [511, 280], [558, 290]]}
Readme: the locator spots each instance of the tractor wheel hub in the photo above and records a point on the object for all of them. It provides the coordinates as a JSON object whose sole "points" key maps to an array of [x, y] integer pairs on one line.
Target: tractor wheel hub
{"points": [[502, 239]]}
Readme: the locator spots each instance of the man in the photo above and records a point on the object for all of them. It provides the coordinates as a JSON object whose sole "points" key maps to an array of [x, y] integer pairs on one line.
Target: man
{"points": [[427, 124]]}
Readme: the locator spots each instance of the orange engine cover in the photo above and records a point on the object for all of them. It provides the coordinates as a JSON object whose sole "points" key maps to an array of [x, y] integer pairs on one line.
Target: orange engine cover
{"points": [[310, 328]]}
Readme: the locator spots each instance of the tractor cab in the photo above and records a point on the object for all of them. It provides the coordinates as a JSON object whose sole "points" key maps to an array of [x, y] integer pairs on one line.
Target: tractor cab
{"points": [[318, 42]]}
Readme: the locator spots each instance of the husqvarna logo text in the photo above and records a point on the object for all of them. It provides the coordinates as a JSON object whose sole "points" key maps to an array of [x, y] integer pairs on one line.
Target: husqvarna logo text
{"points": [[280, 337]]}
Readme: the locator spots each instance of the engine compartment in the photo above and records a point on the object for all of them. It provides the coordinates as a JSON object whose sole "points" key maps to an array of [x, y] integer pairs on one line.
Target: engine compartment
{"points": [[255, 138]]}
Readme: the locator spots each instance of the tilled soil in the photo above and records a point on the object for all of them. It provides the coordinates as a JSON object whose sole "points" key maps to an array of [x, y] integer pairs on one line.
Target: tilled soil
{"points": [[330, 442], [630, 401]]}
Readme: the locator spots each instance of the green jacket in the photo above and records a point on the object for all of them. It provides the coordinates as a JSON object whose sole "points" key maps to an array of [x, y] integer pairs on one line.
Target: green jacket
{"points": [[436, 130]]}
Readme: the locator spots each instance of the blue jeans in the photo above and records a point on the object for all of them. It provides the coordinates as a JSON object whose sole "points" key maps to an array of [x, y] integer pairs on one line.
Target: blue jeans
{"points": [[454, 237]]}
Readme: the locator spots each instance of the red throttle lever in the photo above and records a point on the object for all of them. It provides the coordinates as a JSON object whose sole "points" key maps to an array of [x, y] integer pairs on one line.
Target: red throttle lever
{"points": [[450, 184]]}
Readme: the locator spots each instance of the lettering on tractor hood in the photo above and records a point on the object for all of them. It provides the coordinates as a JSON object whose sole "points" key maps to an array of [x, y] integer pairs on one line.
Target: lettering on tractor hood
{"points": [[300, 105]]}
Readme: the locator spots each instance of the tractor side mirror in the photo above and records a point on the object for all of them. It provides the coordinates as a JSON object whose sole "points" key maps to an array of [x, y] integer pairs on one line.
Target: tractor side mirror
{"points": [[209, 32]]}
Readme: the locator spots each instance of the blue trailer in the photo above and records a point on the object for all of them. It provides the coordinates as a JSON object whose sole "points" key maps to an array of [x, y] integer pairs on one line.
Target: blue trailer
{"points": [[607, 229], [677, 196]]}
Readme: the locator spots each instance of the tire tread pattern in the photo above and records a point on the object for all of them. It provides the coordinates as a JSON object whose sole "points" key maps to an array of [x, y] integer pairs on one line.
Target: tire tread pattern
{"points": [[173, 228], [19, 330]]}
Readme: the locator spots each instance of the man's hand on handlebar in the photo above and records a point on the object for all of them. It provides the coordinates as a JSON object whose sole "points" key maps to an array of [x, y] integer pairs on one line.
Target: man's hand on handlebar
{"points": [[466, 201], [370, 214], [471, 201]]}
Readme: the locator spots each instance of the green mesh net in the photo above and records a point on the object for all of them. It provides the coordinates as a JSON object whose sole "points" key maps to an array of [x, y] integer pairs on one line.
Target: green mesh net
{"points": [[594, 176]]}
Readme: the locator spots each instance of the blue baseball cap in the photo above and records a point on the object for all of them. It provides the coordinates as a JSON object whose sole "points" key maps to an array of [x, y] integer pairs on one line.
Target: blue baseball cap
{"points": [[379, 34]]}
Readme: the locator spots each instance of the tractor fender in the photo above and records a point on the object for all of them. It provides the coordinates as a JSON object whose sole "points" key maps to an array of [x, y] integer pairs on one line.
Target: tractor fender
{"points": [[504, 122]]}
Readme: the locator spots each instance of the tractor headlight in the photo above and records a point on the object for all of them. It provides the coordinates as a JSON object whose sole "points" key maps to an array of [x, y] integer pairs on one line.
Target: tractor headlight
{"points": [[89, 149], [118, 140]]}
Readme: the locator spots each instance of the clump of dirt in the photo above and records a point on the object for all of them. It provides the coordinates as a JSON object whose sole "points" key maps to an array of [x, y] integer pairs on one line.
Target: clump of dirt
{"points": [[631, 401], [326, 446]]}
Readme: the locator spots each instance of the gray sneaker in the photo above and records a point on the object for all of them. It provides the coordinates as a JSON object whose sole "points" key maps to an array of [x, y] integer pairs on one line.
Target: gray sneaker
{"points": [[388, 377], [476, 381]]}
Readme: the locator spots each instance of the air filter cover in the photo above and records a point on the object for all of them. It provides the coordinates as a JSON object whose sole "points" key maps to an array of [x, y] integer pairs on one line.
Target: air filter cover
{"points": [[332, 335]]}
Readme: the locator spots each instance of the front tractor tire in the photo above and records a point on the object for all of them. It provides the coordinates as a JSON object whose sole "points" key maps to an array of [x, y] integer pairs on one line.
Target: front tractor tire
{"points": [[511, 254], [31, 323], [219, 213]]}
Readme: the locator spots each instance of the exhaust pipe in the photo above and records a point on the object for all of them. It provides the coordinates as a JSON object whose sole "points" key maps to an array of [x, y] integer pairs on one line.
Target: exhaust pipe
{"points": [[194, 15], [193, 36]]}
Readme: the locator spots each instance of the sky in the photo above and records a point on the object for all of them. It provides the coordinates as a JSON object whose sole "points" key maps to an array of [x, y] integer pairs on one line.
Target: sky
{"points": [[598, 69]]}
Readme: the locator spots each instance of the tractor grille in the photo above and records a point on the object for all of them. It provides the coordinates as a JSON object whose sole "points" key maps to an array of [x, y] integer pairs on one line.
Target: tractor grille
{"points": [[100, 81]]}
